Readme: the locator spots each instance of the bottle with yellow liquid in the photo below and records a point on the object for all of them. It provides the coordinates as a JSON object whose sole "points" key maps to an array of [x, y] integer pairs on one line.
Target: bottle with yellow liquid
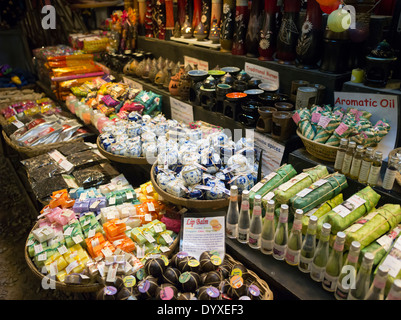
{"points": [[293, 250], [391, 171], [342, 149], [356, 162], [365, 165], [349, 154], [374, 172]]}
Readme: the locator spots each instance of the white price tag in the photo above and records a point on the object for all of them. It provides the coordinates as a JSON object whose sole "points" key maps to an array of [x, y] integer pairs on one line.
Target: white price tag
{"points": [[62, 249]]}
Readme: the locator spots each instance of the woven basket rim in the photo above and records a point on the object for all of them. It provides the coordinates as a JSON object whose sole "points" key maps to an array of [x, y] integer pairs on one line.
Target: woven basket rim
{"points": [[188, 203], [118, 158]]}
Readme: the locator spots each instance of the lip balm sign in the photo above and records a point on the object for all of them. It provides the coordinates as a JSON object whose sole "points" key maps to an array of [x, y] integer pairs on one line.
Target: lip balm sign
{"points": [[380, 106]]}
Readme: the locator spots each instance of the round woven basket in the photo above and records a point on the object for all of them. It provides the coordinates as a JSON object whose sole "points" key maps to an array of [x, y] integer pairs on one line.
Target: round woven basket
{"points": [[118, 158], [187, 203], [319, 150], [266, 293], [91, 287], [36, 150]]}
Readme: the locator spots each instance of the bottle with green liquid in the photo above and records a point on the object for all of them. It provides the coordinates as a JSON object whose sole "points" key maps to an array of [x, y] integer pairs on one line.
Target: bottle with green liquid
{"points": [[308, 246], [349, 155], [244, 219], [293, 250], [267, 237], [334, 264], [361, 287], [348, 272], [375, 168], [356, 162], [255, 228], [321, 256], [376, 290], [281, 234]]}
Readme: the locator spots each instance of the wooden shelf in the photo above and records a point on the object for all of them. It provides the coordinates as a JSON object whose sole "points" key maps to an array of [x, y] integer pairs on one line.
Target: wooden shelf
{"points": [[97, 4]]}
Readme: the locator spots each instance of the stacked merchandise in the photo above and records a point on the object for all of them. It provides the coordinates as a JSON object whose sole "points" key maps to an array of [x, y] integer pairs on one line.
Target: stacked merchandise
{"points": [[101, 100], [94, 42], [83, 237], [62, 67], [328, 125], [309, 224]]}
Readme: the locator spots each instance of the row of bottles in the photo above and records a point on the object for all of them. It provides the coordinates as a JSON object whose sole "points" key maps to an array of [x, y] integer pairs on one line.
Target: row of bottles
{"points": [[267, 29], [364, 165], [323, 264]]}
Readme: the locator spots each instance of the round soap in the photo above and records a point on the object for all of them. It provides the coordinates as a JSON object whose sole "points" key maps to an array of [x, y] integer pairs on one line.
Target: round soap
{"points": [[186, 296], [208, 293], [253, 292], [184, 264], [224, 270], [213, 278], [177, 258], [167, 292], [237, 287], [209, 261], [148, 288], [155, 267], [107, 293], [171, 275], [190, 281], [241, 270]]}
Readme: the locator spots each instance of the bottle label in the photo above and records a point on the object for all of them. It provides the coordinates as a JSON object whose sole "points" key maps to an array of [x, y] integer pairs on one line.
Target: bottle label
{"points": [[253, 239], [297, 225], [317, 273], [329, 282], [283, 219], [269, 217], [243, 234], [364, 172], [379, 283], [266, 245], [356, 166], [341, 292], [279, 250], [245, 206], [292, 256], [373, 175], [339, 160], [353, 202], [388, 180], [231, 230], [346, 164], [305, 263]]}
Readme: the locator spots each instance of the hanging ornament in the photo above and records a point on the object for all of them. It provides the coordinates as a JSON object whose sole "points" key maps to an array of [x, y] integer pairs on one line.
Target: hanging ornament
{"points": [[331, 8], [339, 20]]}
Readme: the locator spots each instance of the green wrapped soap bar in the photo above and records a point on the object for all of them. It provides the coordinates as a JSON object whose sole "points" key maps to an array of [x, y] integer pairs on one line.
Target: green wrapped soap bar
{"points": [[286, 191], [318, 192], [272, 181], [320, 211], [374, 225], [350, 210], [73, 234]]}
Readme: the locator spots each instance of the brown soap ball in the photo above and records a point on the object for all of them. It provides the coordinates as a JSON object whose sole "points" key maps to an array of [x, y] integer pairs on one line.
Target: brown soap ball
{"points": [[119, 283], [177, 258], [238, 289], [203, 277], [194, 265], [207, 263], [183, 264], [186, 296], [155, 267], [148, 288], [106, 293], [167, 292], [171, 275], [241, 270], [224, 285], [125, 293], [190, 281], [253, 292], [213, 278], [224, 270], [208, 293]]}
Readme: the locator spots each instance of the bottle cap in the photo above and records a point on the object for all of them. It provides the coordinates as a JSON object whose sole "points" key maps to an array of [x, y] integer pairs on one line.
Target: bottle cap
{"points": [[352, 144], [378, 153], [369, 257], [258, 197], [369, 149], [270, 202], [284, 206], [397, 284], [245, 192], [344, 141], [326, 227], [341, 235], [355, 245], [299, 213], [383, 270], [360, 147], [313, 219]]}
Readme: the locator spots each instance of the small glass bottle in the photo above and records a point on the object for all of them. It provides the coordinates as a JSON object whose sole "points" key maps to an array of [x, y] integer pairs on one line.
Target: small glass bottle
{"points": [[374, 172], [308, 246], [348, 272], [356, 162], [293, 250], [281, 234], [334, 264], [244, 218], [340, 155], [391, 172], [395, 291], [365, 165], [321, 256], [255, 229], [267, 237], [349, 154], [376, 290], [232, 214], [361, 287]]}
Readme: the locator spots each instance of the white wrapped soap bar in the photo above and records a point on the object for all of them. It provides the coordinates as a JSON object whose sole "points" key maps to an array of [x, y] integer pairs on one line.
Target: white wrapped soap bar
{"points": [[43, 234]]}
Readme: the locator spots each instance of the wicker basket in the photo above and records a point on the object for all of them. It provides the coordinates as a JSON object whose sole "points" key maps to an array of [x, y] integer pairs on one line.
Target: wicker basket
{"points": [[118, 158], [319, 150], [187, 203], [36, 150], [266, 293], [91, 287]]}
